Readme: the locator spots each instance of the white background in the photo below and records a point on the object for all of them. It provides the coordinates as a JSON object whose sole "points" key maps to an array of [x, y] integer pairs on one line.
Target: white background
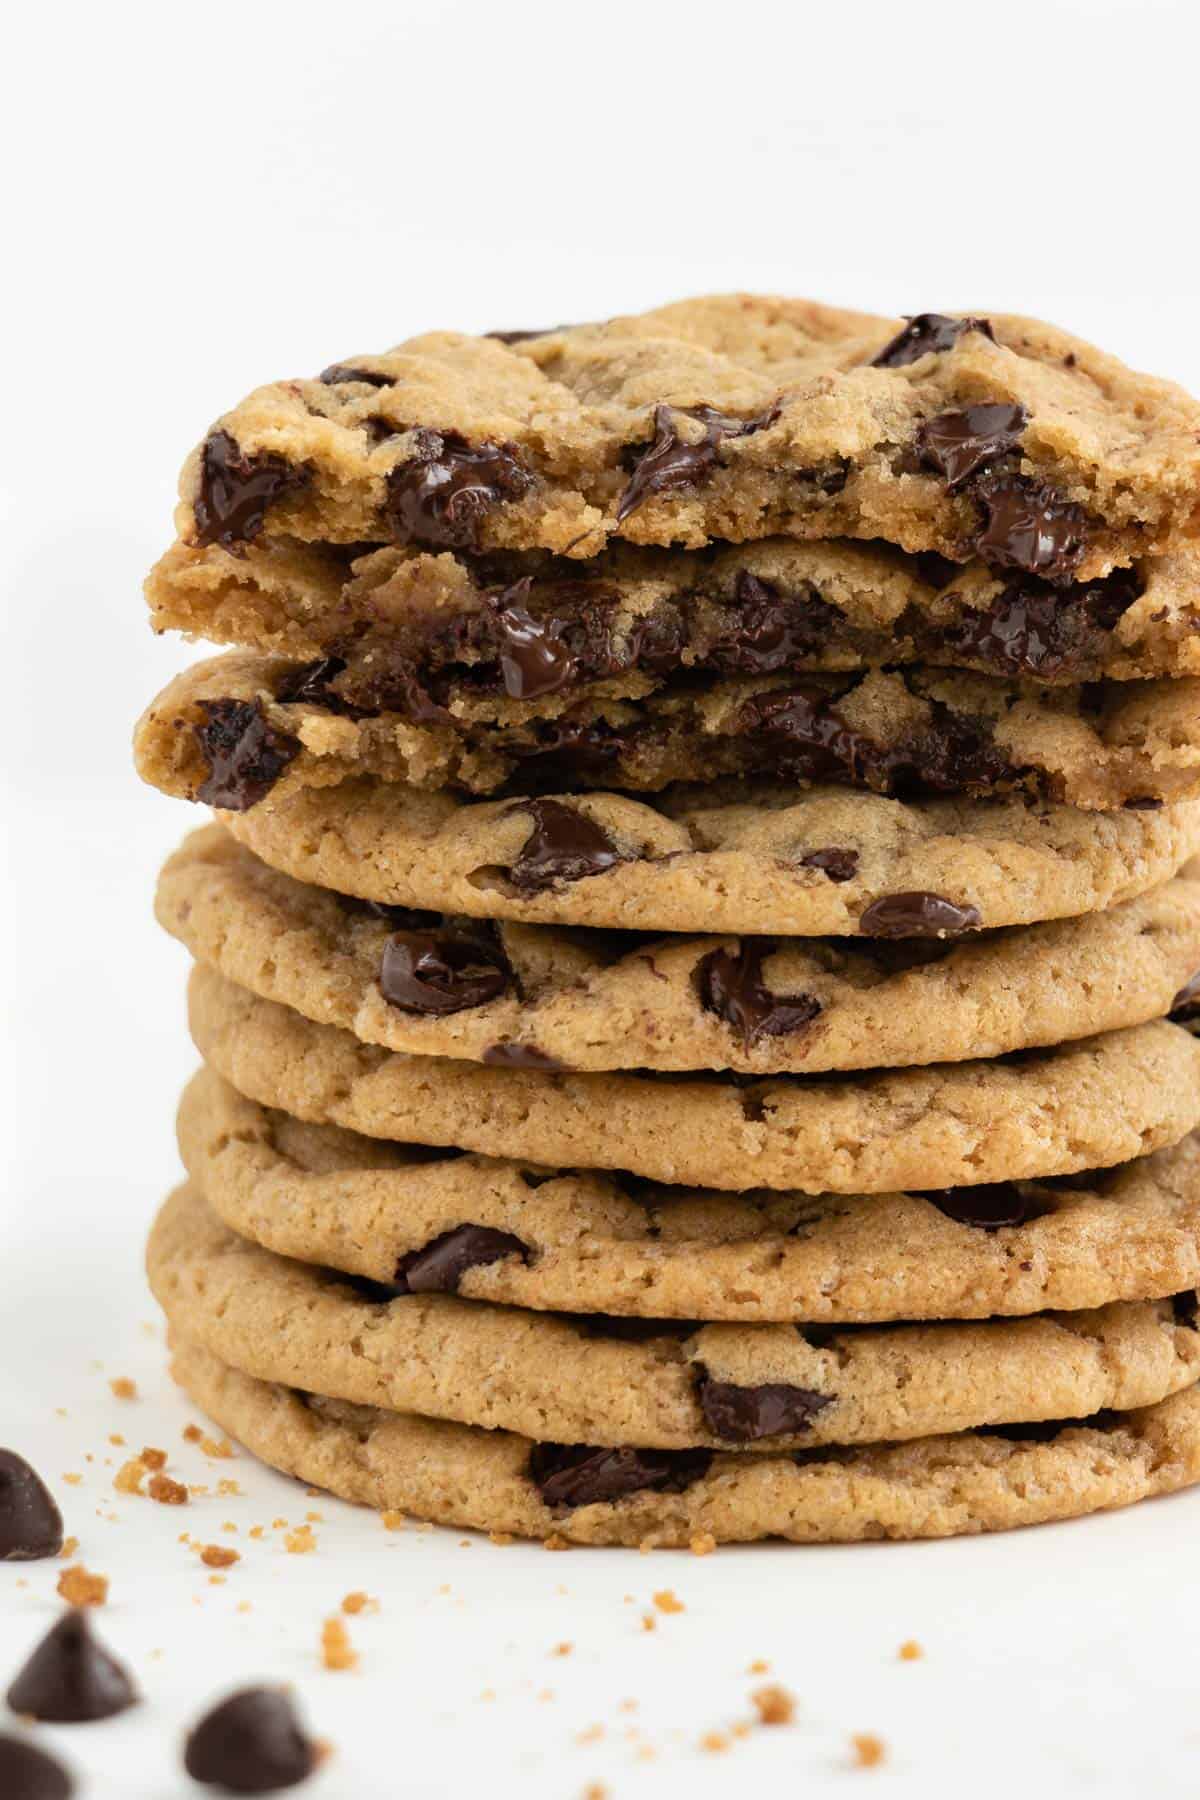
{"points": [[205, 196]]}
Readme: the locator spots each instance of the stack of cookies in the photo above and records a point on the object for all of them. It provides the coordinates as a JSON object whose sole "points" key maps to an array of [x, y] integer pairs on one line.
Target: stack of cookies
{"points": [[694, 959]]}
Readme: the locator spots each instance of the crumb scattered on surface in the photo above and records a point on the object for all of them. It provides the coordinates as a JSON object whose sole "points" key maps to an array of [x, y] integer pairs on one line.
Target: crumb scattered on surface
{"points": [[563, 1649], [79, 1587], [555, 1541], [703, 1544], [359, 1602], [227, 1489], [775, 1706], [649, 1622], [667, 1602], [337, 1652], [72, 1480], [758, 1667], [714, 1741], [123, 1388], [500, 1537], [393, 1521], [153, 1459], [300, 1541], [869, 1750], [130, 1476], [114, 1437], [167, 1492], [218, 1556], [911, 1651], [70, 1546], [591, 1734], [595, 1790]]}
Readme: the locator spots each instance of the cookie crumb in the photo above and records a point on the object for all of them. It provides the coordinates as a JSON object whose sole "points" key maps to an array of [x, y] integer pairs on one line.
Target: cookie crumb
{"points": [[703, 1544], [300, 1541], [869, 1750], [216, 1556], [775, 1706], [114, 1437], [166, 1491], [130, 1476], [501, 1537], [337, 1652], [595, 1790], [759, 1667], [70, 1546], [714, 1742], [910, 1651], [649, 1622], [153, 1459], [591, 1734], [228, 1489], [563, 1649], [393, 1521], [666, 1601], [78, 1587], [359, 1602], [72, 1480], [123, 1388]]}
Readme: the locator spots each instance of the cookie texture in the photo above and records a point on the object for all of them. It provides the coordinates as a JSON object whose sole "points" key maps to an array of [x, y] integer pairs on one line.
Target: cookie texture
{"points": [[734, 417], [1043, 1112], [497, 1481], [594, 1242], [211, 733], [437, 985], [441, 627], [587, 1379], [805, 863]]}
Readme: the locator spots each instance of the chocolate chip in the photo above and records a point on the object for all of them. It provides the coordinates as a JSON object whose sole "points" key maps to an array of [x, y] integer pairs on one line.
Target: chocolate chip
{"points": [[564, 845], [337, 373], [1028, 526], [312, 685], [578, 1475], [772, 631], [71, 1677], [927, 334], [442, 494], [838, 864], [917, 914], [30, 1523], [534, 659], [245, 755], [743, 1414], [236, 490], [436, 973], [1185, 1007], [252, 1743], [730, 984], [521, 1056], [1185, 1308], [1034, 629], [671, 462], [438, 1266], [959, 444], [27, 1773], [1143, 803], [990, 1206]]}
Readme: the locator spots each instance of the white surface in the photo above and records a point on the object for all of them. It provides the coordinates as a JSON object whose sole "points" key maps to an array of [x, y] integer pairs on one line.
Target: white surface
{"points": [[203, 198]]}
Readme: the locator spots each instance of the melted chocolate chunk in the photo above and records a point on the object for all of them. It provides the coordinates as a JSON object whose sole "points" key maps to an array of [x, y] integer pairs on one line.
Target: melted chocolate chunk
{"points": [[27, 1773], [564, 845], [1185, 1007], [521, 1056], [578, 1475], [917, 914], [670, 462], [71, 1678], [245, 755], [959, 444], [252, 1743], [990, 1206], [236, 490], [772, 630], [312, 685], [1028, 526], [741, 1415], [445, 490], [1034, 629], [336, 373], [730, 984], [436, 973], [438, 1266], [534, 659], [838, 864], [31, 1525], [927, 334], [1185, 1308]]}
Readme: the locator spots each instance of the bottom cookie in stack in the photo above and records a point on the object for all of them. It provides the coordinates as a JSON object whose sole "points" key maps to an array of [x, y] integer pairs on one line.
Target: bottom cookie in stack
{"points": [[430, 1393]]}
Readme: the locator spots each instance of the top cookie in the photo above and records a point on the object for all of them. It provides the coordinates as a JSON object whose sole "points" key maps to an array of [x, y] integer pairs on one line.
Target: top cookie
{"points": [[732, 417]]}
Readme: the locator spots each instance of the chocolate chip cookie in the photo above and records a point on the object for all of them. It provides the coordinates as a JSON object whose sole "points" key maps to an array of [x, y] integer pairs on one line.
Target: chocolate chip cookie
{"points": [[438, 985]]}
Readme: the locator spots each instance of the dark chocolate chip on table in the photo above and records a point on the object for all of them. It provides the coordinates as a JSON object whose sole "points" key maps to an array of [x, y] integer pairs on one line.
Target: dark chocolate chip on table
{"points": [[564, 845], [245, 755], [251, 1743], [27, 1773], [443, 492], [959, 444], [580, 1475], [31, 1525], [671, 462], [439, 1266], [917, 914], [741, 1415], [436, 973], [927, 334], [990, 1206], [730, 984], [236, 491], [71, 1678]]}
